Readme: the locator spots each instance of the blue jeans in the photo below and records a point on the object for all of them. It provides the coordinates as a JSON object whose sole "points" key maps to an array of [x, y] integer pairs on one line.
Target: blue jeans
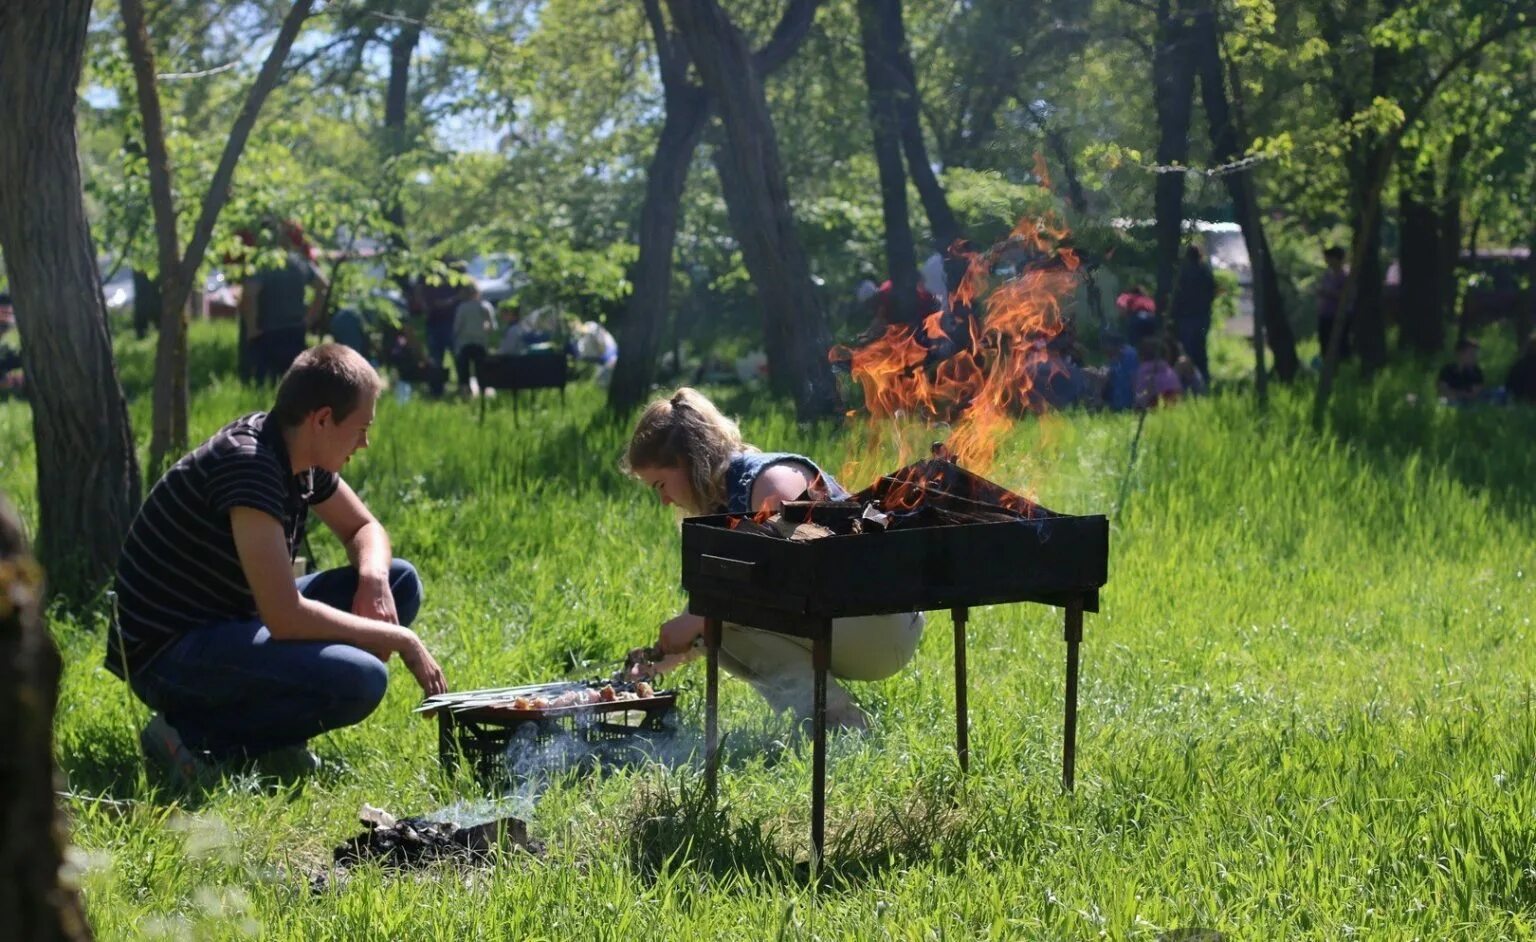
{"points": [[230, 689]]}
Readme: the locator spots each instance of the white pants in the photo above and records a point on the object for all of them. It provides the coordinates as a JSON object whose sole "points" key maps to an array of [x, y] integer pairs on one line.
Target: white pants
{"points": [[870, 647]]}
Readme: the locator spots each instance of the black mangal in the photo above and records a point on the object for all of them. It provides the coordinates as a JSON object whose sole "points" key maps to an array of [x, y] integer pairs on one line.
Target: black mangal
{"points": [[928, 536]]}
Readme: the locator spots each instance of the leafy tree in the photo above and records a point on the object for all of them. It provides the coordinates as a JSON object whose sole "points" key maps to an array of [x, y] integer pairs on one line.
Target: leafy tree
{"points": [[87, 474], [178, 268], [758, 199]]}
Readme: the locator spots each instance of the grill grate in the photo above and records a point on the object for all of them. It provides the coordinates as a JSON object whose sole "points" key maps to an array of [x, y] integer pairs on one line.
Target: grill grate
{"points": [[505, 745]]}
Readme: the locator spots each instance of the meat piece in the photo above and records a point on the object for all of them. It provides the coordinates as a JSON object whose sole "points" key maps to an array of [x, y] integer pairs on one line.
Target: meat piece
{"points": [[643, 690], [607, 694]]}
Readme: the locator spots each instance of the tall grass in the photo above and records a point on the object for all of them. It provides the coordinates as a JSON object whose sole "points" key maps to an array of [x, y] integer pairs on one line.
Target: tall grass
{"points": [[1306, 703]]}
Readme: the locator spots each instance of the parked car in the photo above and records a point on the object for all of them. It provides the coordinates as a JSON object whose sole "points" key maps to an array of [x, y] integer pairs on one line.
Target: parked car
{"points": [[497, 276]]}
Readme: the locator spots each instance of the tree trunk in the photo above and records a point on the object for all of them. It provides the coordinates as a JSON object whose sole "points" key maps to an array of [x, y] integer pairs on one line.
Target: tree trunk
{"points": [[687, 115], [33, 904], [87, 471], [943, 225], [1362, 245], [1173, 88], [770, 245], [738, 211], [1367, 319], [1449, 262], [169, 435], [402, 48], [170, 399], [1242, 190], [1420, 302], [1076, 198], [880, 76], [640, 330], [1525, 320]]}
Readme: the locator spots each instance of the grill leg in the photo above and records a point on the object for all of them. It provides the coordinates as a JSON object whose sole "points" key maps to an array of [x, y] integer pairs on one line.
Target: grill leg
{"points": [[821, 662], [711, 705], [962, 718], [1072, 633], [447, 743]]}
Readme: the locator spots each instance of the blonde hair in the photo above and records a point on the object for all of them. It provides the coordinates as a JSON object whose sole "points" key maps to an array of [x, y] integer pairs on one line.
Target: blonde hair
{"points": [[687, 431]]}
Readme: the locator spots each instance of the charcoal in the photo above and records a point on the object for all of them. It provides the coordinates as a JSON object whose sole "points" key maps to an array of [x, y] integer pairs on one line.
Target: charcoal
{"points": [[415, 841]]}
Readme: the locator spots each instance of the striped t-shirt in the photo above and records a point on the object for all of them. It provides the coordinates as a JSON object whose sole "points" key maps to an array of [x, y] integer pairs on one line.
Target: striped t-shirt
{"points": [[179, 569]]}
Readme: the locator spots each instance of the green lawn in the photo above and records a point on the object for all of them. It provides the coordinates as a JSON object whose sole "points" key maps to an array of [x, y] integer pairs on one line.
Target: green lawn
{"points": [[1307, 708]]}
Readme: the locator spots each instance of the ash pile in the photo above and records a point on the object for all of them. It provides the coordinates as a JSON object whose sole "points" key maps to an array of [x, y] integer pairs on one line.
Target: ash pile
{"points": [[413, 842]]}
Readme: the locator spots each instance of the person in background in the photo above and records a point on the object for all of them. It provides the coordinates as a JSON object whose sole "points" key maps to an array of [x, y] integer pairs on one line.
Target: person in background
{"points": [[961, 323], [473, 321], [438, 299], [237, 659], [1139, 312], [1190, 377], [514, 336], [1520, 386], [693, 457], [592, 343], [1156, 382], [1460, 383], [1330, 295], [146, 303], [1121, 368], [1193, 298], [350, 330], [932, 277], [274, 311], [12, 380]]}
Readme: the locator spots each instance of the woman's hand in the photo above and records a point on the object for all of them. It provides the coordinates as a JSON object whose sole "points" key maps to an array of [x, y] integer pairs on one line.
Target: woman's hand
{"points": [[678, 634], [642, 668]]}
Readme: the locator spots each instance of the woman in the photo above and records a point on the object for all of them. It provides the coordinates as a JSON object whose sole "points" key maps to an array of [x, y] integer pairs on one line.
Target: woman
{"points": [[693, 458]]}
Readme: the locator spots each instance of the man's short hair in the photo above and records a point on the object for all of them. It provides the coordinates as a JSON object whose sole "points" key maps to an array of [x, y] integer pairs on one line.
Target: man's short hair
{"points": [[1333, 251], [1462, 346], [331, 375]]}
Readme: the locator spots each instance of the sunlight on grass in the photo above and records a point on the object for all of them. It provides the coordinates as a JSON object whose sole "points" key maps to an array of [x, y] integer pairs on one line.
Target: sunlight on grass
{"points": [[1306, 705]]}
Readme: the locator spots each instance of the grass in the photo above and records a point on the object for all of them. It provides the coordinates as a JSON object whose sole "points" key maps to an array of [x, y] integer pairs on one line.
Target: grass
{"points": [[1307, 708]]}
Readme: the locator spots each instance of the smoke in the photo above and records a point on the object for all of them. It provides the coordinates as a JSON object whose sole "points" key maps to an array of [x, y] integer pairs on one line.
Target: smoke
{"points": [[538, 754]]}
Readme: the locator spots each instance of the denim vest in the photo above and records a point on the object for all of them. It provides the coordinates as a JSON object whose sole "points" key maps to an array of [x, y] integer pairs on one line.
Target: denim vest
{"points": [[744, 468]]}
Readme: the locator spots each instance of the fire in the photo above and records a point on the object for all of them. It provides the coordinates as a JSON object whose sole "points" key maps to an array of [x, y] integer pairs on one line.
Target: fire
{"points": [[990, 378]]}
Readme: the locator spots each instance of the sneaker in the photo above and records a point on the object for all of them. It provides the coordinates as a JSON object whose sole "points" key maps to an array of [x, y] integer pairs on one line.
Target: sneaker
{"points": [[289, 762], [162, 744]]}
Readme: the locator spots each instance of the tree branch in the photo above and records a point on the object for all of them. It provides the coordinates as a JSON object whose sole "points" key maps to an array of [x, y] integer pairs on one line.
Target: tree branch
{"points": [[161, 198], [673, 67], [218, 189], [793, 27]]}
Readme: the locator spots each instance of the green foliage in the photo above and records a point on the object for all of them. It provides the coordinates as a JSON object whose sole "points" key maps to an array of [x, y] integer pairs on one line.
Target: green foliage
{"points": [[1305, 704]]}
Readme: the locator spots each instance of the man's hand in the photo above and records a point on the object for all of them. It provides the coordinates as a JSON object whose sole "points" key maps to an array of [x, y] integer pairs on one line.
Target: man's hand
{"points": [[423, 667], [677, 634], [374, 600]]}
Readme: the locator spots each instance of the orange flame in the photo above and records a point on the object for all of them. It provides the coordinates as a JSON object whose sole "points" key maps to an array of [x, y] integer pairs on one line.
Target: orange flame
{"points": [[992, 375]]}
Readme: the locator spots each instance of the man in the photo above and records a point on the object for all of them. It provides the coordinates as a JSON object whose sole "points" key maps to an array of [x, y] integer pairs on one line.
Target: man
{"points": [[1461, 383], [1330, 295], [1193, 299], [274, 311], [238, 659], [439, 302]]}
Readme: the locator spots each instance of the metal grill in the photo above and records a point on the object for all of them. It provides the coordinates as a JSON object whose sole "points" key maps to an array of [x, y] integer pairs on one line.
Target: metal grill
{"points": [[928, 536]]}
